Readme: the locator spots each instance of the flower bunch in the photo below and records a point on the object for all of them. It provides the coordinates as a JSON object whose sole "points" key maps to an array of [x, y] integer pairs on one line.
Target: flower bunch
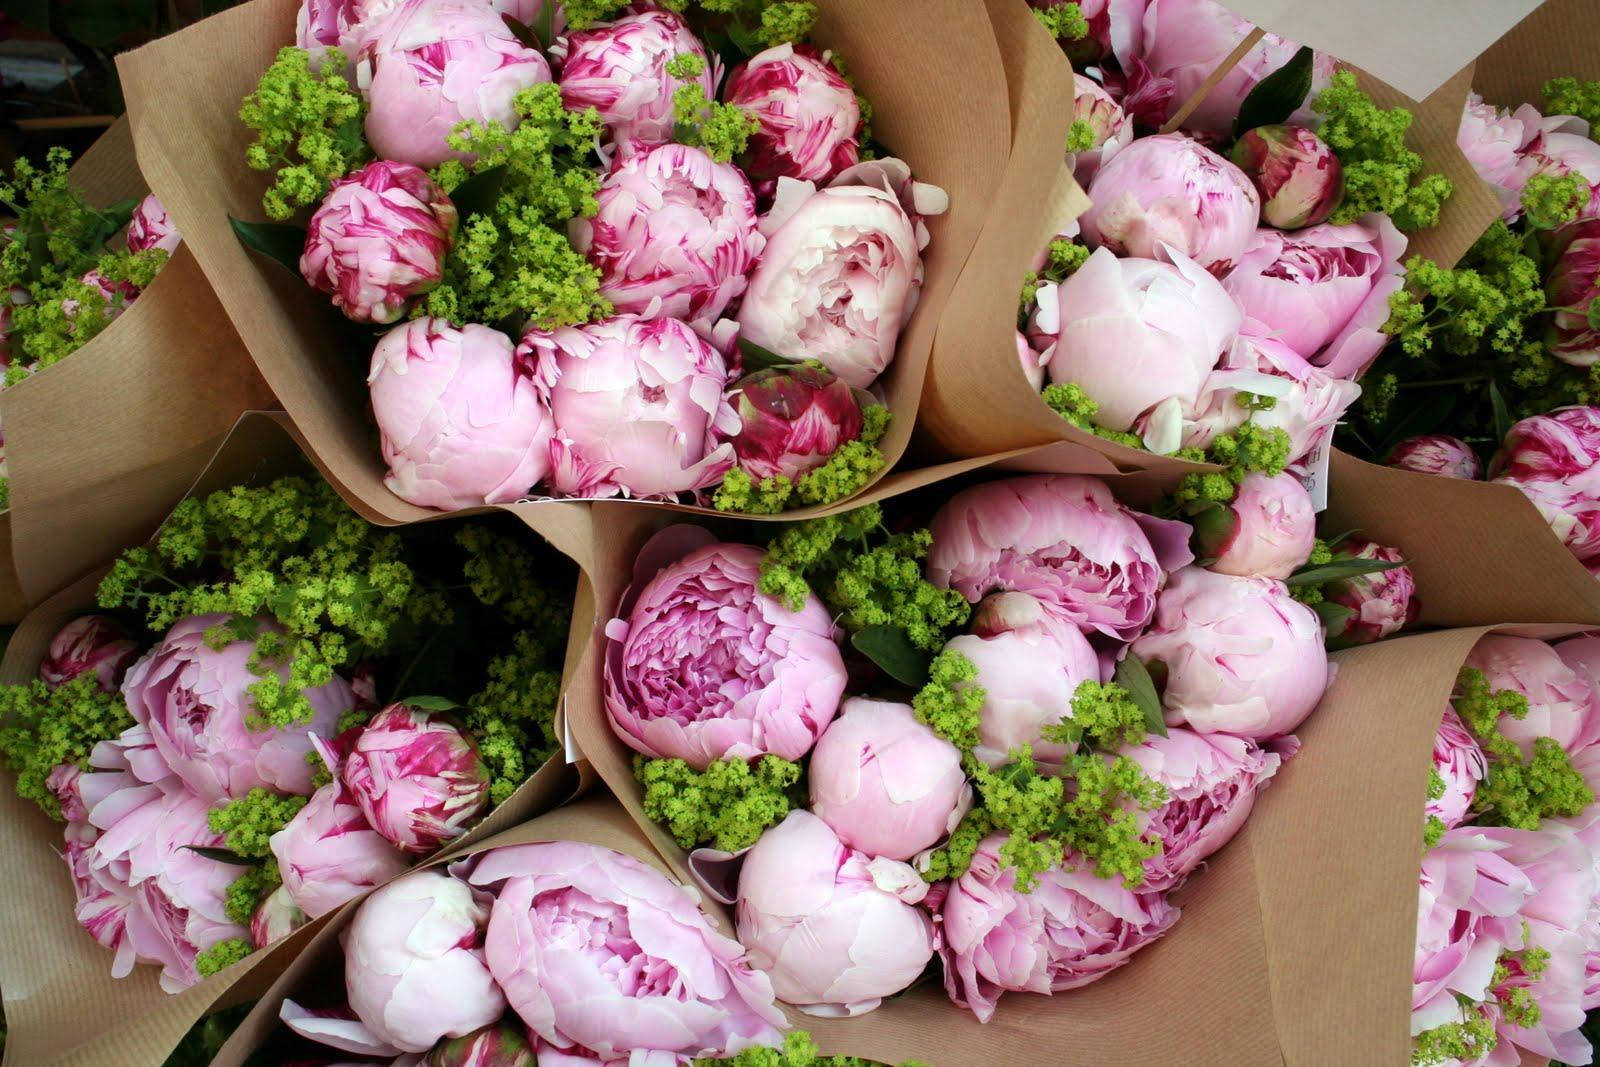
{"points": [[1001, 738], [219, 751], [610, 265]]}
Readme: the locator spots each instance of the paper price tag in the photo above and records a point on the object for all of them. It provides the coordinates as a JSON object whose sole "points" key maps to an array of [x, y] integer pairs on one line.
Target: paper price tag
{"points": [[569, 743], [1316, 477]]}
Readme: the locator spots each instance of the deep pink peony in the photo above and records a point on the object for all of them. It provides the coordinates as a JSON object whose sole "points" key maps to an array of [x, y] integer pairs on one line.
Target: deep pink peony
{"points": [[328, 853], [792, 419], [1064, 539], [598, 950], [1440, 454], [378, 239], [150, 227], [417, 778], [1460, 765], [675, 235], [638, 406], [1555, 460], [1380, 604], [1573, 283], [459, 419], [808, 114], [1298, 176], [700, 666], [89, 644], [192, 698]]}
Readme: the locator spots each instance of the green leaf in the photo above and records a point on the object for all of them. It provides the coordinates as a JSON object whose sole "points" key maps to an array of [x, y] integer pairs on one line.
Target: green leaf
{"points": [[430, 703], [1423, 416], [1339, 569], [281, 242], [221, 855], [1133, 676], [1335, 542], [757, 358], [1502, 414], [893, 652], [479, 193], [525, 33], [544, 23], [1276, 96], [111, 219], [1333, 616]]}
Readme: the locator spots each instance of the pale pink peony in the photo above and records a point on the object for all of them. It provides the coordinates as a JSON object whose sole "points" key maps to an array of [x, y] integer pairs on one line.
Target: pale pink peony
{"points": [[1562, 702], [1211, 782], [460, 421], [699, 665], [416, 777], [638, 406], [835, 930], [1111, 128], [1029, 666], [1460, 765], [1267, 531], [1073, 928], [675, 235], [1555, 460], [1324, 291], [808, 114], [1493, 142], [1439, 454], [1235, 655], [1582, 654], [379, 239], [89, 644], [1380, 604], [150, 227], [1064, 539], [328, 853], [602, 954], [433, 64], [193, 700]]}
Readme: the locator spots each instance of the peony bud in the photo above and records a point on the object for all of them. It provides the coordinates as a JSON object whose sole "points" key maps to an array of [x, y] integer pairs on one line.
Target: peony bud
{"points": [[1460, 765], [378, 239], [1555, 460], [1238, 655], [276, 917], [674, 236], [417, 777], [808, 114], [1571, 286], [835, 931], [1166, 194], [94, 644], [328, 853], [1267, 531], [791, 419], [1448, 457], [638, 407], [1298, 176], [1380, 603], [1109, 127], [884, 782], [459, 419], [500, 1044], [1029, 666], [151, 228], [619, 68], [433, 64]]}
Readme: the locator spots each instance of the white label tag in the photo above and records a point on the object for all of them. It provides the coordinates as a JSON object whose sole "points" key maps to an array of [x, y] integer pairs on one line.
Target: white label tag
{"points": [[568, 741], [1316, 476]]}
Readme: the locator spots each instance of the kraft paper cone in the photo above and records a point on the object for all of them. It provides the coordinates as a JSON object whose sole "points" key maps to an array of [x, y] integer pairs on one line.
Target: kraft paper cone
{"points": [[184, 92], [1560, 39], [50, 969], [100, 445]]}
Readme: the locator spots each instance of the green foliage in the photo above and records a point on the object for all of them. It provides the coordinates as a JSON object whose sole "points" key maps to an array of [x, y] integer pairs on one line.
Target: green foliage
{"points": [[1065, 22], [308, 125], [1380, 172], [1569, 96], [1466, 1041], [1062, 257], [722, 130], [514, 265], [849, 470], [246, 892], [1104, 717], [1072, 403], [1249, 449], [1550, 201], [1517, 791], [950, 703], [727, 805], [513, 717], [1080, 138], [205, 1038], [222, 955], [798, 1050], [46, 727], [247, 823]]}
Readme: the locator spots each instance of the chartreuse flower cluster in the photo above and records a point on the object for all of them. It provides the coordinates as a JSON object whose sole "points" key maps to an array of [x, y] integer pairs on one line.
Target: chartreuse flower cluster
{"points": [[1475, 1035], [1380, 172], [727, 806], [1518, 792], [850, 468], [48, 727], [308, 125], [1249, 449], [722, 130], [750, 24], [1570, 96], [1062, 257], [57, 238], [1065, 21], [798, 1050]]}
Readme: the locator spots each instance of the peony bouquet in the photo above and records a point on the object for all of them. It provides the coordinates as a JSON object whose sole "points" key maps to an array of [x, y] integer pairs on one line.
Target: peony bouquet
{"points": [[605, 249], [1507, 956], [281, 707], [1003, 738]]}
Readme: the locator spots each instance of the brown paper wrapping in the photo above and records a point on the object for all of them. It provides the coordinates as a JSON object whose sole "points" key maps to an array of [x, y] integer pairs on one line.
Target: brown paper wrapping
{"points": [[61, 1003], [102, 444], [184, 93]]}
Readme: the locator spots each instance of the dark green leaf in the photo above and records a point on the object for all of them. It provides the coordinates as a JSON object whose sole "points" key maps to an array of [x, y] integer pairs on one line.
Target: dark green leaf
{"points": [[1276, 96], [757, 358], [1335, 542], [430, 703], [526, 33], [544, 23], [1502, 414], [478, 194], [111, 219], [1425, 414], [281, 242], [893, 652], [220, 855], [1133, 676], [745, 39], [1338, 569], [1333, 616]]}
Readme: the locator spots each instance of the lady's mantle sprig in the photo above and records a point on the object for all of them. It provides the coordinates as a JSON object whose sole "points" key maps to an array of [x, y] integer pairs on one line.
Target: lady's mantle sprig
{"points": [[308, 125], [47, 727], [1517, 792], [1380, 172], [798, 1050], [845, 473], [727, 806]]}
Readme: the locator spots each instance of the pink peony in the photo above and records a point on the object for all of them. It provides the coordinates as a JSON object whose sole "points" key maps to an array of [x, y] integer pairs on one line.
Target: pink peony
{"points": [[1572, 283], [1493, 142], [1064, 539], [1460, 765], [1324, 291], [378, 239], [1582, 654], [1267, 531], [1380, 604], [638, 407], [1168, 194], [1110, 128], [328, 853], [416, 777], [150, 227], [1561, 147], [89, 644], [1236, 655], [792, 419], [808, 115], [275, 918], [1072, 929], [700, 666], [600, 952], [1447, 457], [675, 235], [835, 930], [193, 700], [460, 421], [1555, 460], [1298, 176], [1562, 702]]}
